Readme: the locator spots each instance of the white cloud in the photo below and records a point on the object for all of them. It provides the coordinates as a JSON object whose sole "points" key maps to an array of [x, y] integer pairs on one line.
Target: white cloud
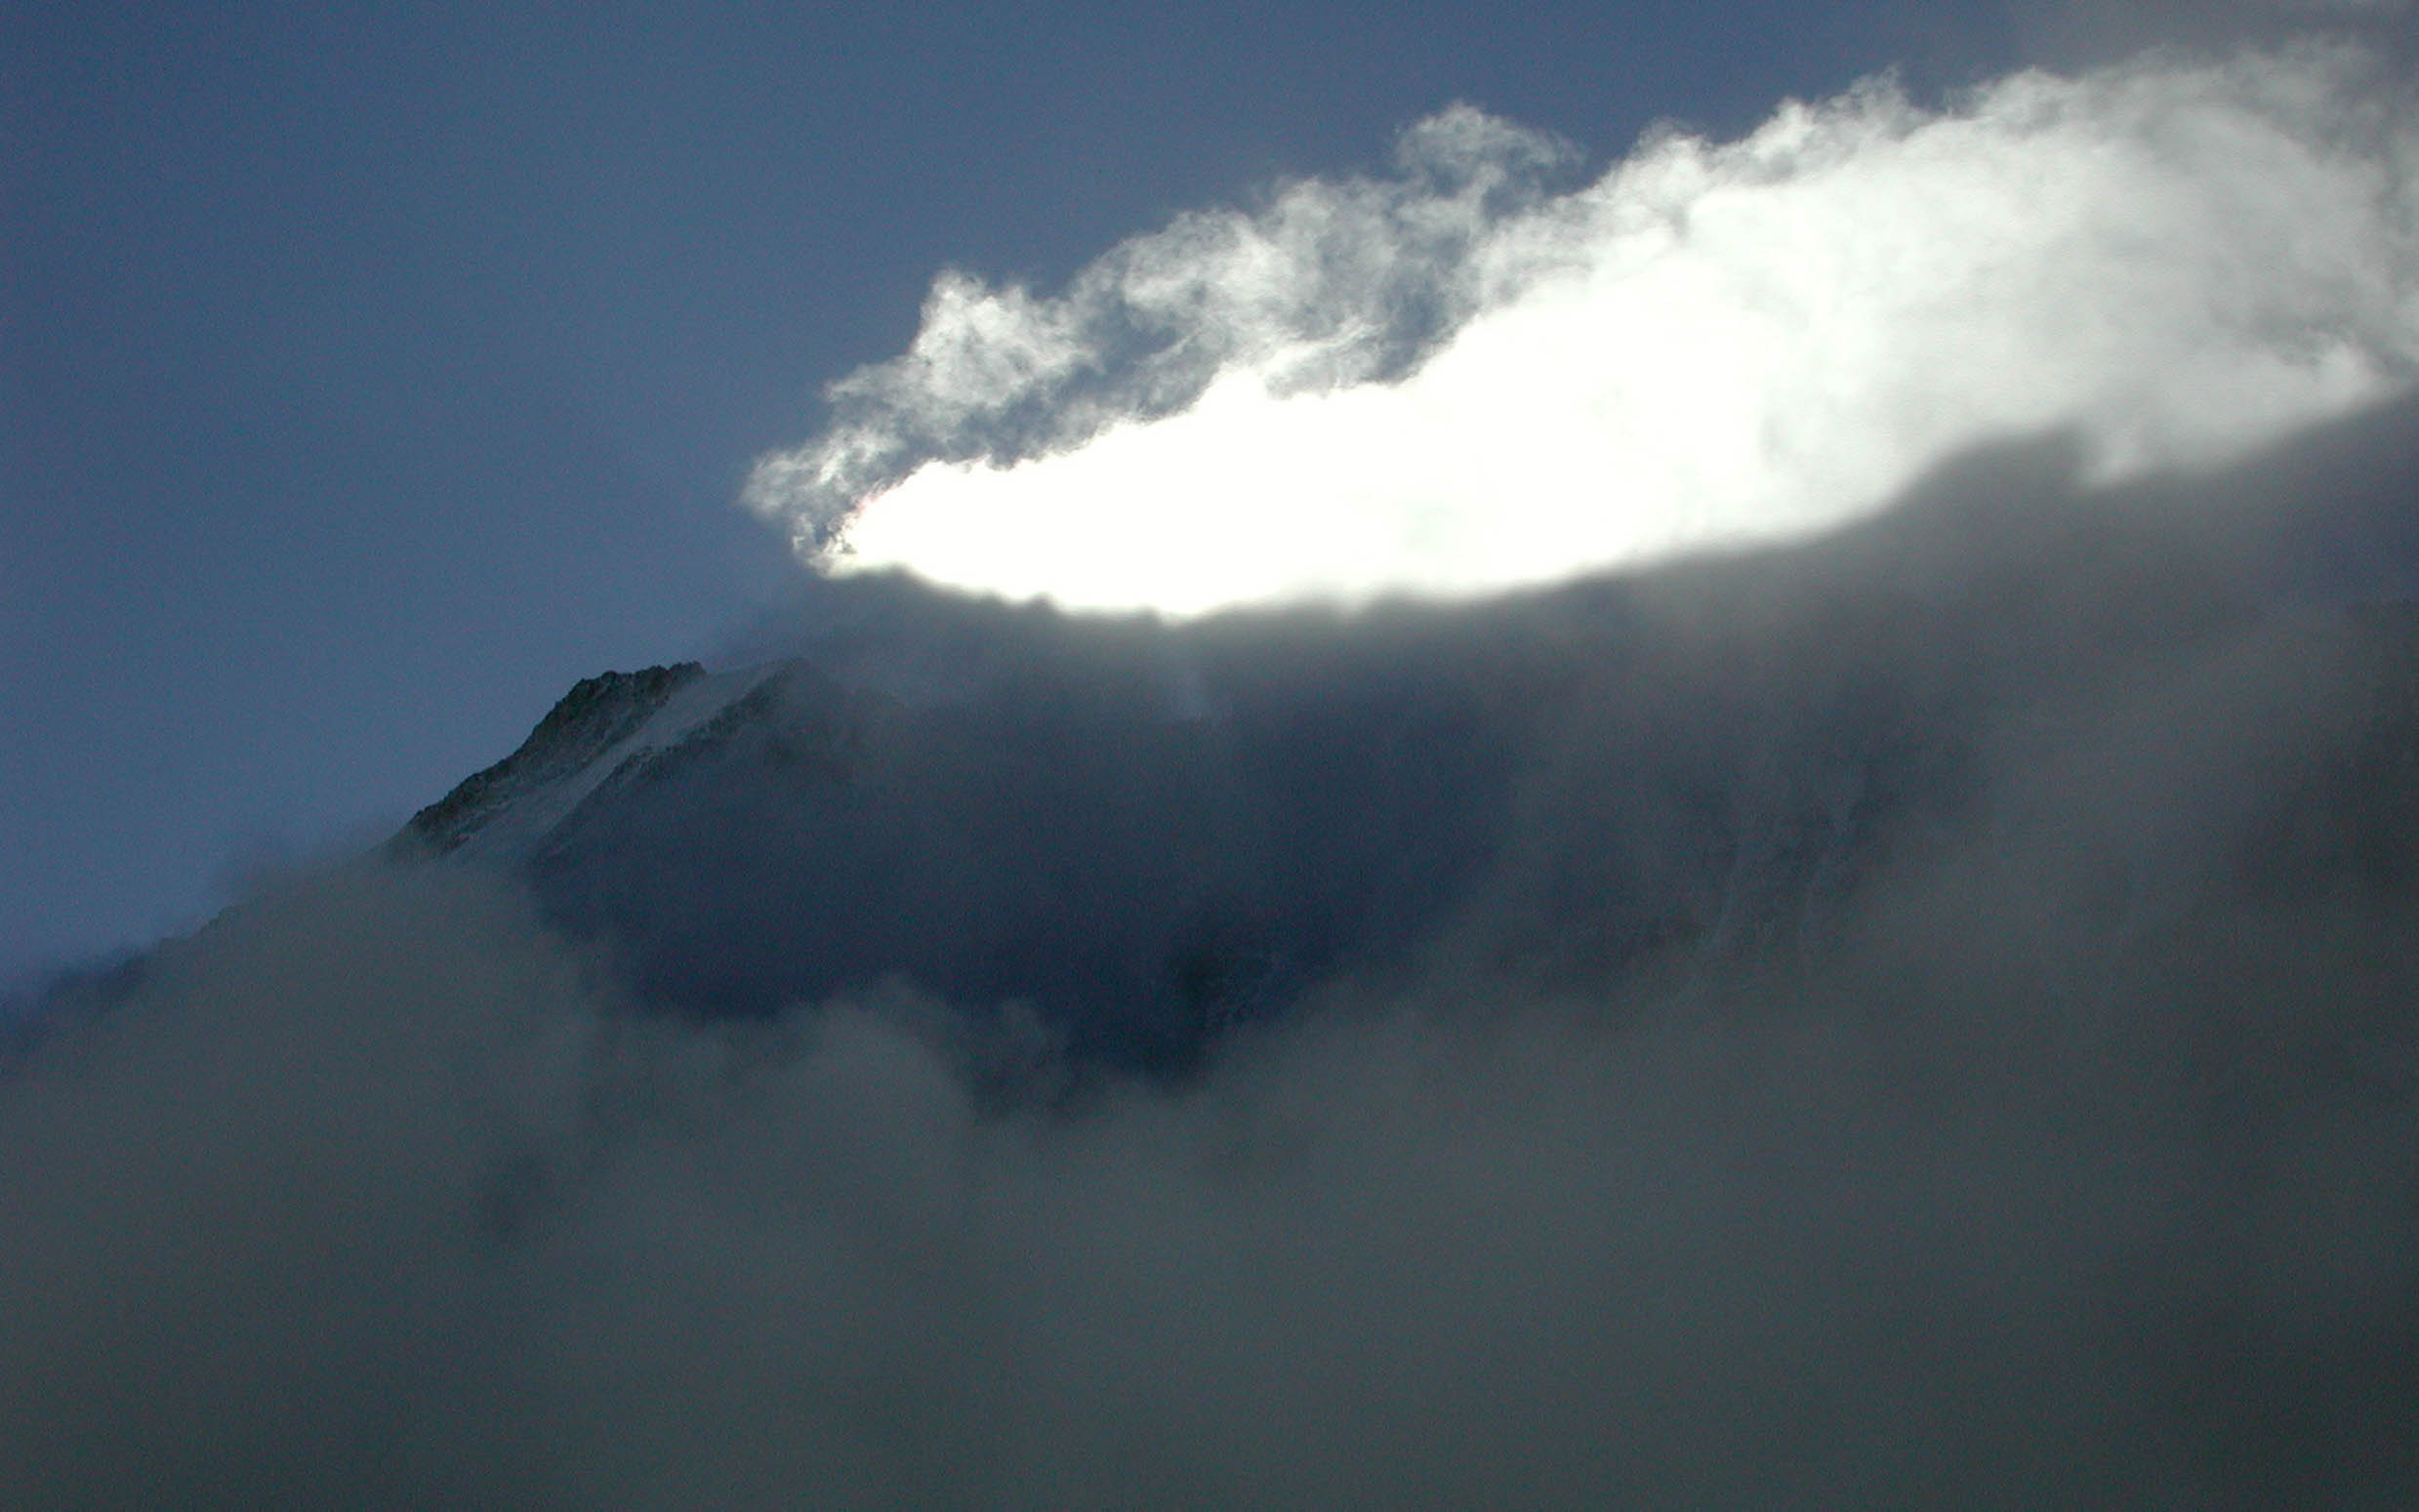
{"points": [[1852, 1051], [1454, 379]]}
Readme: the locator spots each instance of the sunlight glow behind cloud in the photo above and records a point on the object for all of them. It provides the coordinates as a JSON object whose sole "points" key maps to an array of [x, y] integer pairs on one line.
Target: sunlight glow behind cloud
{"points": [[1462, 379]]}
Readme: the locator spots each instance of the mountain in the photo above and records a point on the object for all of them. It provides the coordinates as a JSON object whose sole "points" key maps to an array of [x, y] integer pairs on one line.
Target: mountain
{"points": [[2086, 703], [1926, 1016]]}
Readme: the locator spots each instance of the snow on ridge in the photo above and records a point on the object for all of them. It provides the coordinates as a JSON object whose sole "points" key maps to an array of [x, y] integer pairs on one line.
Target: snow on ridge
{"points": [[504, 810]]}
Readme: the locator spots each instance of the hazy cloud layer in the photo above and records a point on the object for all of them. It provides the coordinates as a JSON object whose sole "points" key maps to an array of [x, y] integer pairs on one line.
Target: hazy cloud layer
{"points": [[363, 1197], [2065, 1155], [1468, 375]]}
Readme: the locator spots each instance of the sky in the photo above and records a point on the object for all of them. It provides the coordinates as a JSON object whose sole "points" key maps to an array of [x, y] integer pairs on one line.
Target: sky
{"points": [[372, 375], [1923, 1017], [1716, 811]]}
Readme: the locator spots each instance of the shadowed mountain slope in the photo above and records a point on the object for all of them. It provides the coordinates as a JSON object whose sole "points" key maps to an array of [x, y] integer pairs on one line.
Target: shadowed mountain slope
{"points": [[1141, 835]]}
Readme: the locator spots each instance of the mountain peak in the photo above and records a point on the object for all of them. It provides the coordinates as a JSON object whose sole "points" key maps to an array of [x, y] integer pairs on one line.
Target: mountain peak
{"points": [[598, 713]]}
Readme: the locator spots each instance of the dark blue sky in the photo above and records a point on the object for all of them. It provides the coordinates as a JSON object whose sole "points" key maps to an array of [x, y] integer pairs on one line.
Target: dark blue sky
{"points": [[369, 372]]}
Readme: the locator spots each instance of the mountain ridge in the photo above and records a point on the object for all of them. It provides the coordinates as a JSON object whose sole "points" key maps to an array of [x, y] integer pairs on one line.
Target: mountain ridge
{"points": [[1149, 834]]}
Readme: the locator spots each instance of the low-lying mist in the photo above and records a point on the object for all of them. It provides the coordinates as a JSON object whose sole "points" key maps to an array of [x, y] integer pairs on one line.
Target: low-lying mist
{"points": [[1921, 1018]]}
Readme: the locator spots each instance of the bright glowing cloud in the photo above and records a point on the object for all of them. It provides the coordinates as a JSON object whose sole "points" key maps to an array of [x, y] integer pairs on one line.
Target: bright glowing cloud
{"points": [[1459, 378]]}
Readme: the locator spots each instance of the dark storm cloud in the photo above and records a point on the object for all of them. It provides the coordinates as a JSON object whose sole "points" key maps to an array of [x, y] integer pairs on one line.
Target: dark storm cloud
{"points": [[2003, 1096]]}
